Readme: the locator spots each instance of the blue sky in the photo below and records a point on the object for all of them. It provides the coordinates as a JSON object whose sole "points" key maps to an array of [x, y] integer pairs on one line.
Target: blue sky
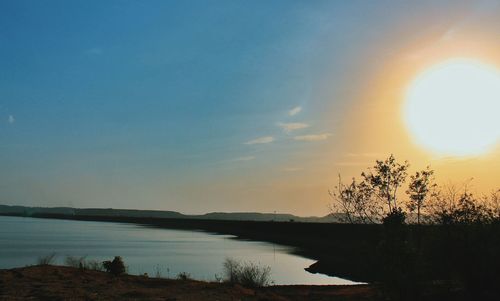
{"points": [[182, 105]]}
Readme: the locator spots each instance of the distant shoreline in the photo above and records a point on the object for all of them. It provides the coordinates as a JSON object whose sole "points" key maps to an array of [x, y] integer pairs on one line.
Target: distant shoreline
{"points": [[239, 216]]}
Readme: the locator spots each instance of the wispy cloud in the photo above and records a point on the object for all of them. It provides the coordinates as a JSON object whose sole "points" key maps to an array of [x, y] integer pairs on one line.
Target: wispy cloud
{"points": [[288, 127], [295, 111], [247, 158], [315, 137], [261, 140], [11, 119]]}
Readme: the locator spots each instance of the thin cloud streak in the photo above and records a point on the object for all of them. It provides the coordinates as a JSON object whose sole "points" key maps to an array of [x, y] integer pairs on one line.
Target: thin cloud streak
{"points": [[295, 111], [261, 140], [292, 126], [11, 119], [315, 137]]}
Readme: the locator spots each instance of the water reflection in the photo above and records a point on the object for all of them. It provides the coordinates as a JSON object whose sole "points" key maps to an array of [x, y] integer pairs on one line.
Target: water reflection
{"points": [[147, 250]]}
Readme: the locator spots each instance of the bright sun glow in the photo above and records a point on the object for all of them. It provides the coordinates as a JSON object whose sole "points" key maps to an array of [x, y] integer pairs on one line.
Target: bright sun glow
{"points": [[453, 108]]}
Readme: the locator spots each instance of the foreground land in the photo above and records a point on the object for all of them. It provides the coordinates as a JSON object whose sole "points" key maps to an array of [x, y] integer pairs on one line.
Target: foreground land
{"points": [[53, 283]]}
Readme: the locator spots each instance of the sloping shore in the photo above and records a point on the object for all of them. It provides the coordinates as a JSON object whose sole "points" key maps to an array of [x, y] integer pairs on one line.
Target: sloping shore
{"points": [[65, 283]]}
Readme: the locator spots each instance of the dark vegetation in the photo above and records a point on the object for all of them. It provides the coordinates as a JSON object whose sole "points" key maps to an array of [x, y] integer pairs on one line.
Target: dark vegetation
{"points": [[184, 276], [115, 267], [456, 252], [247, 274]]}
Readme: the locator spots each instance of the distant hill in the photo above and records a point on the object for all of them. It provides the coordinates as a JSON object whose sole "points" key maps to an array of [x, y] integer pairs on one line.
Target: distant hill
{"points": [[236, 216], [256, 216]]}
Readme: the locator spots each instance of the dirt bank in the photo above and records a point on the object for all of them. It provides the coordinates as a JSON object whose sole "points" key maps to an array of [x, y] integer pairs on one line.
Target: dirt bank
{"points": [[64, 283]]}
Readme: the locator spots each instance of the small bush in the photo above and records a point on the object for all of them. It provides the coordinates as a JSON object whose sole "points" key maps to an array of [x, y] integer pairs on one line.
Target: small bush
{"points": [[115, 267], [46, 260], [232, 270], [395, 218], [247, 274], [183, 276]]}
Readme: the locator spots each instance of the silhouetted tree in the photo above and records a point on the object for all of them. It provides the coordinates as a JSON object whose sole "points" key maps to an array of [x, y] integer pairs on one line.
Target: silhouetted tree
{"points": [[458, 206], [363, 202], [419, 189], [354, 201], [385, 179], [469, 210], [459, 248], [492, 202]]}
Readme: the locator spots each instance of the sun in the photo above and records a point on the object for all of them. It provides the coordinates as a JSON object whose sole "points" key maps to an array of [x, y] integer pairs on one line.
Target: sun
{"points": [[453, 108]]}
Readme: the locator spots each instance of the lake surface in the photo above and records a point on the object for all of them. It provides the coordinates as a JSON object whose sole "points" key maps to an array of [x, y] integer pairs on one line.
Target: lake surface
{"points": [[147, 250]]}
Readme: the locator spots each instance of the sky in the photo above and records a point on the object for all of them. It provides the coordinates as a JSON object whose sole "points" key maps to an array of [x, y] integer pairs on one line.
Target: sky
{"points": [[201, 106]]}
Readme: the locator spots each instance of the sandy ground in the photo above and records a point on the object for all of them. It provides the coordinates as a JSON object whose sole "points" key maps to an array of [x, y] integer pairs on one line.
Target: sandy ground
{"points": [[64, 283]]}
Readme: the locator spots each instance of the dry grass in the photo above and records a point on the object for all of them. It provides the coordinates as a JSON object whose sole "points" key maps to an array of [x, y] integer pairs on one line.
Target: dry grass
{"points": [[65, 283], [247, 274]]}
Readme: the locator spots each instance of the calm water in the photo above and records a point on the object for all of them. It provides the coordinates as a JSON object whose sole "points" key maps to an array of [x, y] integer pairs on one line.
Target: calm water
{"points": [[146, 250]]}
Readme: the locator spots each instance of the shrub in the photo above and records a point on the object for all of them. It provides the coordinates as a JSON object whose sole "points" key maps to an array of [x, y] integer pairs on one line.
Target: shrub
{"points": [[46, 260], [396, 217], [115, 267], [232, 270], [183, 276], [247, 274]]}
